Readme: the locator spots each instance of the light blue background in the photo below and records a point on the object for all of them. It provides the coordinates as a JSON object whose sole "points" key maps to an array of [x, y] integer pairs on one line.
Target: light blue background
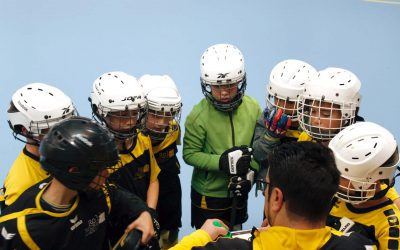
{"points": [[70, 43]]}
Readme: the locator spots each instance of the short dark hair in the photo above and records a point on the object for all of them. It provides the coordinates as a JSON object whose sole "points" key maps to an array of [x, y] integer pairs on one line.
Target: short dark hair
{"points": [[308, 177]]}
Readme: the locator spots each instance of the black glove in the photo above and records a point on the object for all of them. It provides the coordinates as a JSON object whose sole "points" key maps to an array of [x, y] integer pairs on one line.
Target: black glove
{"points": [[239, 186], [236, 160], [130, 240], [276, 122]]}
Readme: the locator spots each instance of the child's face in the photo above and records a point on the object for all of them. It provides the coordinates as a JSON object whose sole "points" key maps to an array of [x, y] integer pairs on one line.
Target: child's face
{"points": [[159, 121], [325, 117], [349, 193], [122, 121], [289, 107], [224, 93]]}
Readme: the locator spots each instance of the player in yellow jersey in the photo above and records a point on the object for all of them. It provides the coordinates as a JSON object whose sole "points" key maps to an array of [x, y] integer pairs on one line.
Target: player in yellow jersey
{"points": [[367, 156], [302, 179], [71, 209], [329, 104], [118, 102], [162, 125], [34, 109]]}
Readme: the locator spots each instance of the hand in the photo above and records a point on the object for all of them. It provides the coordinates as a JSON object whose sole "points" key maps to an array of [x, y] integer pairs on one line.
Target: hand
{"points": [[239, 186], [276, 122], [143, 223], [213, 230], [236, 160]]}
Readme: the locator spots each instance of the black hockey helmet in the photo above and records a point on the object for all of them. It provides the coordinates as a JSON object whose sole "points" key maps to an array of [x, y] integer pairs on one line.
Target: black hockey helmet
{"points": [[80, 143]]}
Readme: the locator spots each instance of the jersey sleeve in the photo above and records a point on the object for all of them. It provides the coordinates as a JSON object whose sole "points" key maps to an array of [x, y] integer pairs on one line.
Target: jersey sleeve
{"points": [[263, 143], [125, 204], [154, 168]]}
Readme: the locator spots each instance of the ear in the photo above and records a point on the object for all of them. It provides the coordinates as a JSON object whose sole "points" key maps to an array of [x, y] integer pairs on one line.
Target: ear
{"points": [[276, 200]]}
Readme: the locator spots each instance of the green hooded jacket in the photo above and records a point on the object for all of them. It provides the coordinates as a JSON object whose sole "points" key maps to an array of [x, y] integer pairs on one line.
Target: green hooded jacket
{"points": [[208, 133]]}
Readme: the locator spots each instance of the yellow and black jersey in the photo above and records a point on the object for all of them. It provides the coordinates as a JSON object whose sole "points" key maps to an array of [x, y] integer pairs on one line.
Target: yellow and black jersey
{"points": [[26, 224], [380, 223], [24, 173], [165, 153], [137, 168], [169, 206], [282, 238]]}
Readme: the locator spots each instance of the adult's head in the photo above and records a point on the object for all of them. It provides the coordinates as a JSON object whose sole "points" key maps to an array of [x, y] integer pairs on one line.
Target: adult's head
{"points": [[366, 155], [118, 102], [77, 151], [302, 180], [35, 108], [286, 82], [223, 76], [329, 103], [164, 105]]}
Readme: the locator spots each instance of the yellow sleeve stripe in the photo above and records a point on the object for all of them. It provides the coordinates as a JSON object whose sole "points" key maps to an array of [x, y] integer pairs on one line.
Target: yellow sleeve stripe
{"points": [[23, 232], [105, 191]]}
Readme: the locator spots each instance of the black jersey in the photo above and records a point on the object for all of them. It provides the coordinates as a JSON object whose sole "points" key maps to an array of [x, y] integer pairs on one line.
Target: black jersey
{"points": [[169, 207], [26, 225]]}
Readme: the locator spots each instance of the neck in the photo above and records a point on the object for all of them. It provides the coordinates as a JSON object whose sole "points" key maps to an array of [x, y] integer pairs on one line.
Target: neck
{"points": [[126, 144], [33, 149], [57, 193], [288, 219]]}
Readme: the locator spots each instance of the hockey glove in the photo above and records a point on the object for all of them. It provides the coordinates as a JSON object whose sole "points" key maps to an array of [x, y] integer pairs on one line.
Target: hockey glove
{"points": [[276, 122], [239, 186], [236, 160]]}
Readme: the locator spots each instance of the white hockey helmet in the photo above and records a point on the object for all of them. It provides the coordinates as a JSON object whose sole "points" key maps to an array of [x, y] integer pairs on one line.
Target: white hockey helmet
{"points": [[223, 65], [286, 82], [337, 87], [117, 95], [37, 107], [365, 153], [164, 105]]}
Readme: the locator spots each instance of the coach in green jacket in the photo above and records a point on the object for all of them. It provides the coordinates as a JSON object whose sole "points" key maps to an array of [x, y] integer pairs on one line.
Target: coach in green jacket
{"points": [[218, 132]]}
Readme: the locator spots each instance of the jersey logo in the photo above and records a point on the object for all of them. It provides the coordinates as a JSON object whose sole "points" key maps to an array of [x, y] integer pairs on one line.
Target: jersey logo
{"points": [[75, 222], [6, 235]]}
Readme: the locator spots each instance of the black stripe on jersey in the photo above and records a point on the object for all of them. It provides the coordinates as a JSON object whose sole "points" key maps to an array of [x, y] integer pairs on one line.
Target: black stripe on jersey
{"points": [[367, 209], [388, 212], [393, 244], [394, 232]]}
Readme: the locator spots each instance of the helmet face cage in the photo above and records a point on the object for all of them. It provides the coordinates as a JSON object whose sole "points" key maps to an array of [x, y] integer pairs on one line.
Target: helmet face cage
{"points": [[224, 95], [355, 192], [124, 124], [323, 119], [288, 106], [161, 124]]}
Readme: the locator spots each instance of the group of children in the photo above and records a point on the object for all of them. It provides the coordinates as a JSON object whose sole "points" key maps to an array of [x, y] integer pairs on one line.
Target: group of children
{"points": [[228, 140]]}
